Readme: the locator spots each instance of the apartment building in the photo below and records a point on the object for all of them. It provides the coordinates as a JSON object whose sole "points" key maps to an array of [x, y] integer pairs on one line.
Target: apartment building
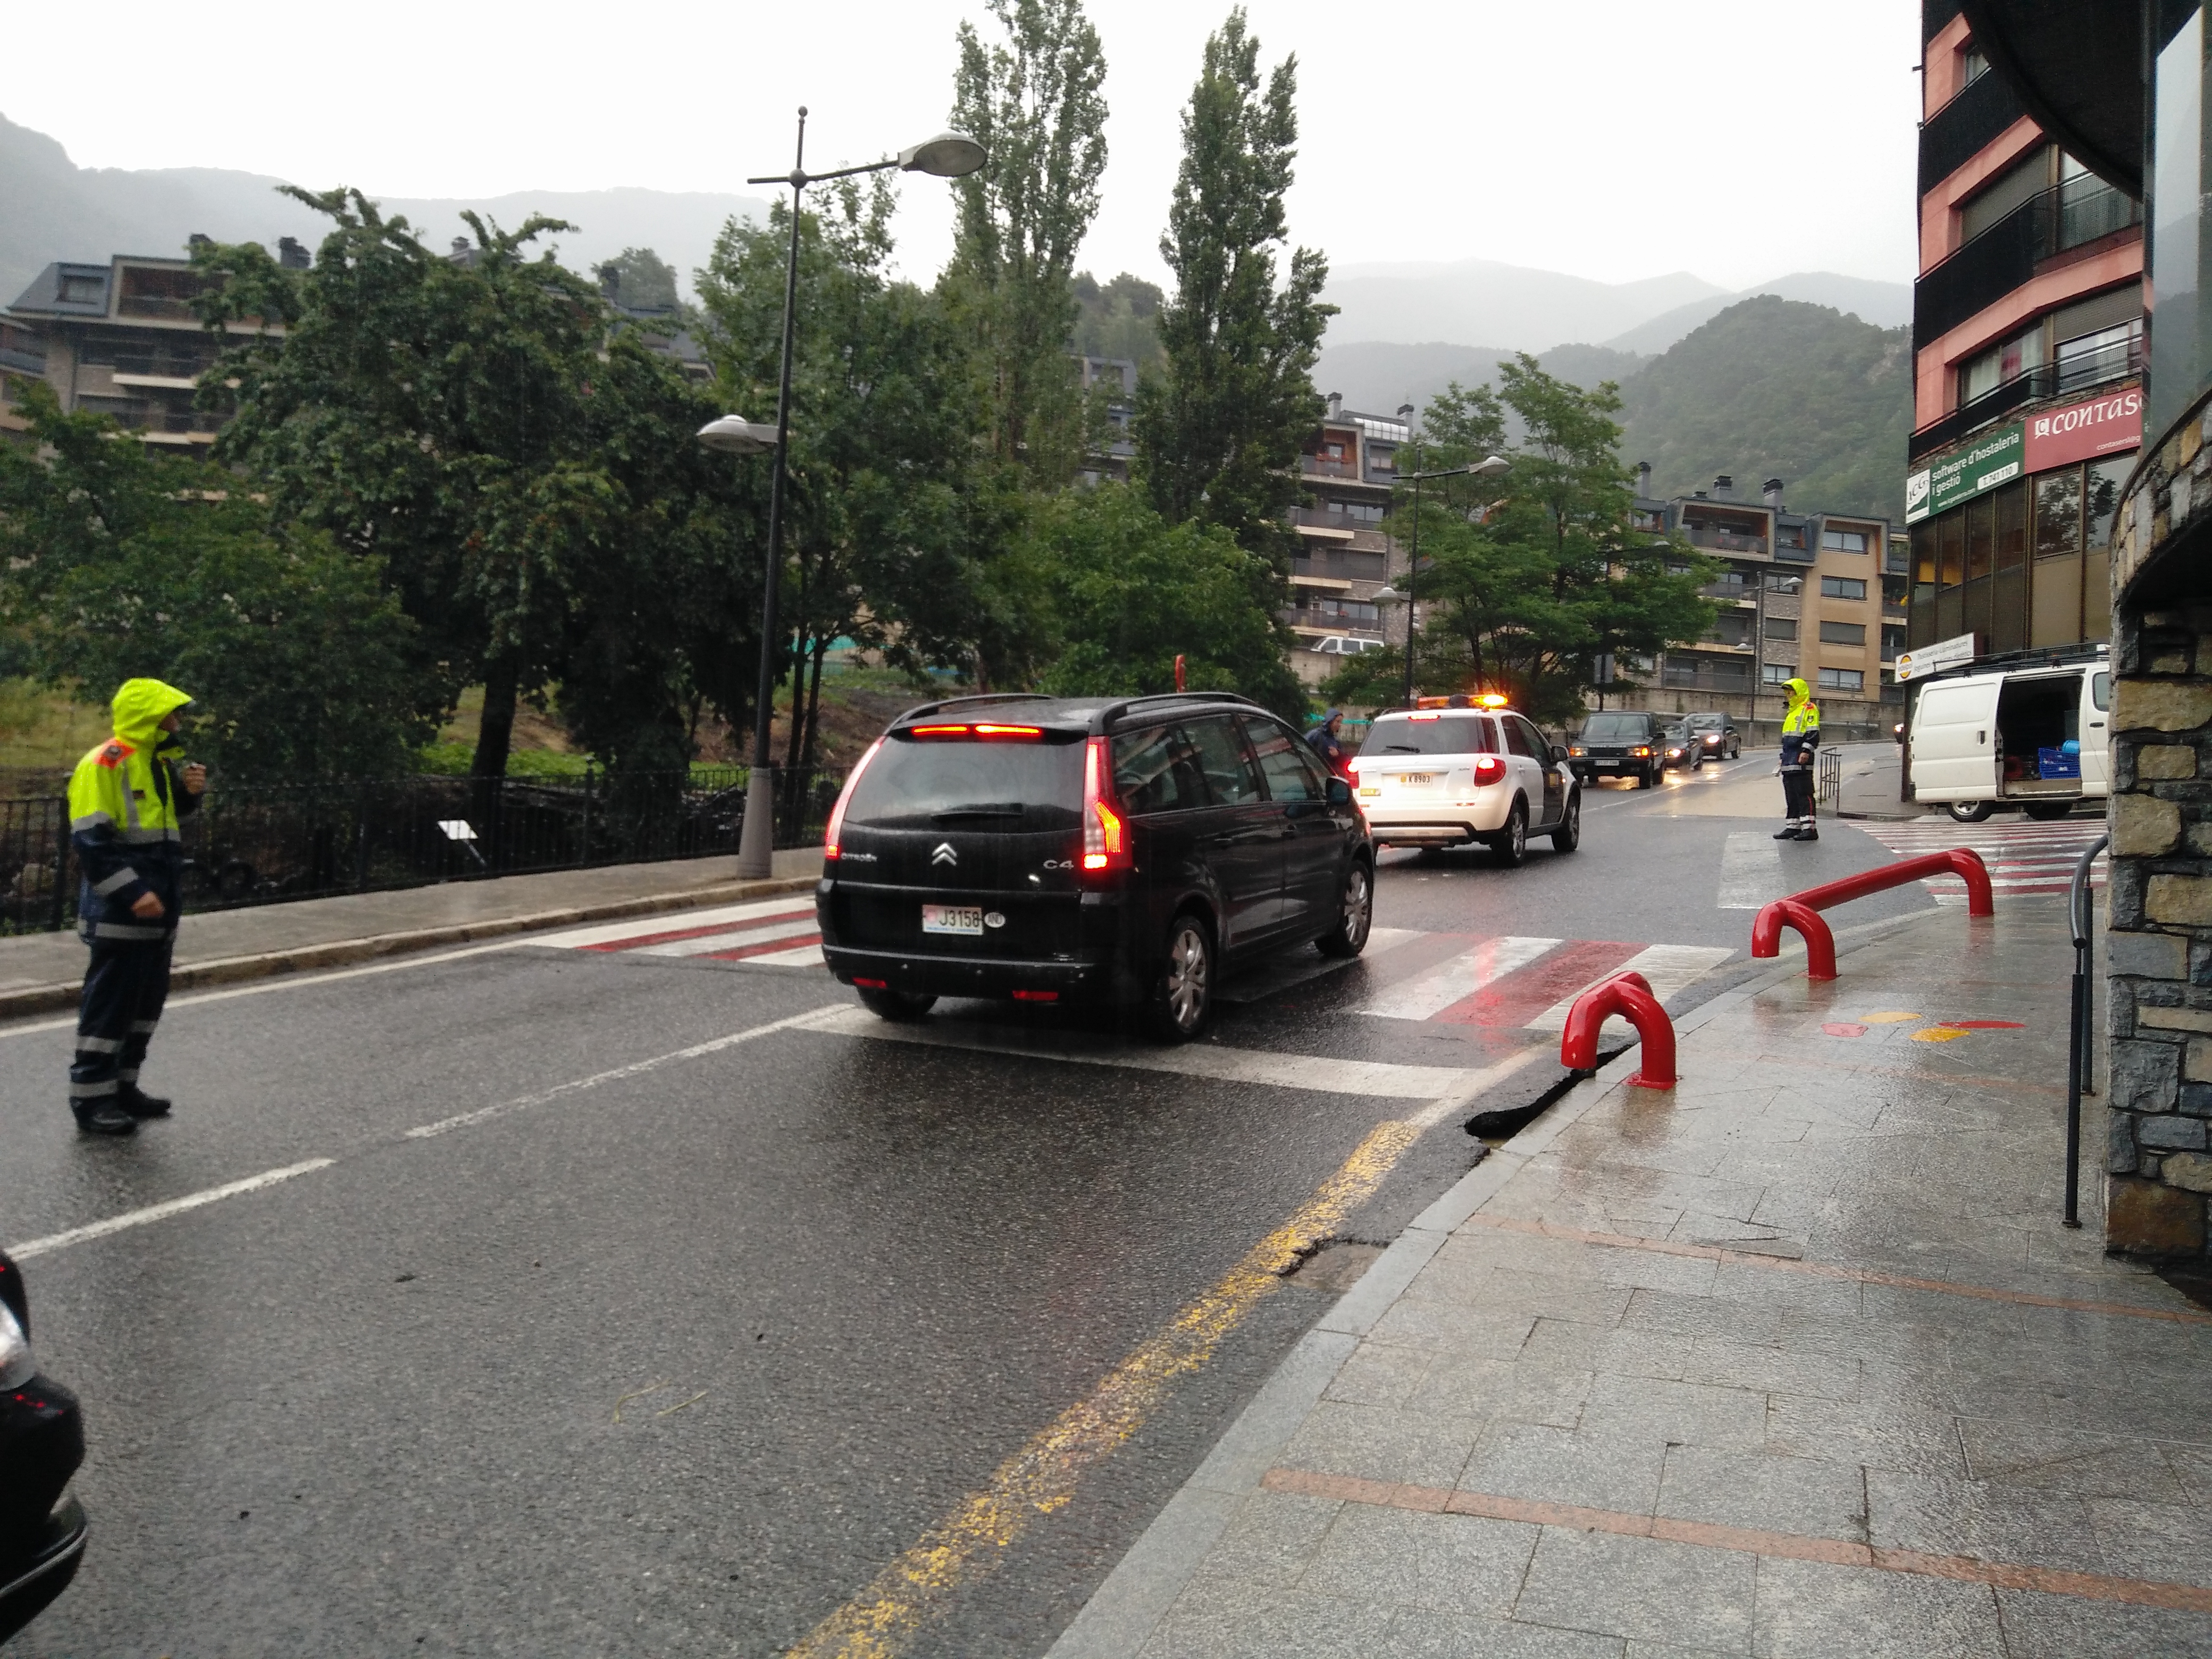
{"points": [[1817, 596], [118, 339], [1114, 379], [2028, 341], [1349, 467]]}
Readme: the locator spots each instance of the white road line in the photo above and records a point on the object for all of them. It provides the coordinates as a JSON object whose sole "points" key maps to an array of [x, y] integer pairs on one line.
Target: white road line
{"points": [[734, 939], [1670, 968], [811, 1018], [1281, 1071], [807, 956], [1430, 993], [116, 1223], [673, 922], [1751, 870]]}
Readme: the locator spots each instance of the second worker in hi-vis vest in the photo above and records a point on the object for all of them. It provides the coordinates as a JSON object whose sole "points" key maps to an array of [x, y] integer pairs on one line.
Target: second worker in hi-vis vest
{"points": [[1801, 736], [126, 800]]}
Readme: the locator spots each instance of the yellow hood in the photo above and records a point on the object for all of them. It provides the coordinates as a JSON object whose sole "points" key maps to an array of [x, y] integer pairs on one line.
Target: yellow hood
{"points": [[141, 706], [1798, 690]]}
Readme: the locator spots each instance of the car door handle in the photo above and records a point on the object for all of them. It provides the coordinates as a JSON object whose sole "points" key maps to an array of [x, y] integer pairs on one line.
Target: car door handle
{"points": [[1982, 737], [2096, 726]]}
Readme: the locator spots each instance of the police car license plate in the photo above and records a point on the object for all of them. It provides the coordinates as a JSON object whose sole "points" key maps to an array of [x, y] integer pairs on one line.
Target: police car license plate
{"points": [[1416, 777], [966, 919]]}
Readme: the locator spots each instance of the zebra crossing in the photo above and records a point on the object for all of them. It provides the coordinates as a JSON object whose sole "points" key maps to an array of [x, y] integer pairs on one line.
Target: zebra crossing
{"points": [[1505, 983], [2025, 857]]}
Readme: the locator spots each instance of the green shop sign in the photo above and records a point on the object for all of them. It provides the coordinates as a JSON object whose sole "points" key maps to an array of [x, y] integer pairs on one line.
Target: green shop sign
{"points": [[1990, 460]]}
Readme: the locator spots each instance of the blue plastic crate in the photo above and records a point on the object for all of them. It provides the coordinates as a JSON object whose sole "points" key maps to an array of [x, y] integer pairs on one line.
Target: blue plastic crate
{"points": [[2056, 763]]}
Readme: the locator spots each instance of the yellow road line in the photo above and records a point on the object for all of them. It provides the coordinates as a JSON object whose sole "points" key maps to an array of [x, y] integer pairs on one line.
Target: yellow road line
{"points": [[1042, 1477]]}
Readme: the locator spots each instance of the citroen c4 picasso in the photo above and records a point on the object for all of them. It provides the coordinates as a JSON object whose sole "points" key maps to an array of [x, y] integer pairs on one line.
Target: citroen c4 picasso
{"points": [[1117, 850]]}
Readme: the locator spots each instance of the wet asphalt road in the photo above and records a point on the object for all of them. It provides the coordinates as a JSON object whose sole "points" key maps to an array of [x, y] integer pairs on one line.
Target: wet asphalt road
{"points": [[675, 1362]]}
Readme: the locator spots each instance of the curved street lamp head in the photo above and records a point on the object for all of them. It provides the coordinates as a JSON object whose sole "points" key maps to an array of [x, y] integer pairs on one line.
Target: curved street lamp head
{"points": [[1491, 467], [948, 155], [733, 434], [1386, 595]]}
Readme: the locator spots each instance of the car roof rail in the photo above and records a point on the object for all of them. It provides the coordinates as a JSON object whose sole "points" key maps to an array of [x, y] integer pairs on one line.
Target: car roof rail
{"points": [[1113, 711], [979, 696]]}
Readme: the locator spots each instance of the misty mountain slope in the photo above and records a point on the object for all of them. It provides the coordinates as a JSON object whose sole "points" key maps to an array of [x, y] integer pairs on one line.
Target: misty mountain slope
{"points": [[1776, 388], [1513, 306], [1377, 376], [1885, 305], [51, 209]]}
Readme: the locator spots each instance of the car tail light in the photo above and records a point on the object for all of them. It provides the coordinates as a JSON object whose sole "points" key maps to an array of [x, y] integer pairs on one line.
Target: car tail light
{"points": [[1489, 768], [836, 826], [979, 731], [873, 984], [1105, 832], [1036, 996]]}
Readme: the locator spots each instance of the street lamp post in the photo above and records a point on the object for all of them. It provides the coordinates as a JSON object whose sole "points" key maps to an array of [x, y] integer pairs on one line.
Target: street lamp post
{"points": [[948, 155], [1489, 467]]}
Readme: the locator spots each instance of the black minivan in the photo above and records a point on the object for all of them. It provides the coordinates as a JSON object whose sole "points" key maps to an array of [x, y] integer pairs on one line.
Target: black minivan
{"points": [[1062, 850]]}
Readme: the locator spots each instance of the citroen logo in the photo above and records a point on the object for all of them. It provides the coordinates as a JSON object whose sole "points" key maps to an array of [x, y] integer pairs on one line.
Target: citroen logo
{"points": [[944, 854]]}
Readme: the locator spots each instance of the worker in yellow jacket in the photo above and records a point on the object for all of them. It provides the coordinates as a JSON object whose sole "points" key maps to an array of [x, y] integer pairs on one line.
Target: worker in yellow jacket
{"points": [[1801, 736], [127, 801]]}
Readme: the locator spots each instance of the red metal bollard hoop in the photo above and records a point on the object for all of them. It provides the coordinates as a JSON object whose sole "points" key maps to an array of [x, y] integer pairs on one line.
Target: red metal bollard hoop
{"points": [[1800, 910], [1629, 996]]}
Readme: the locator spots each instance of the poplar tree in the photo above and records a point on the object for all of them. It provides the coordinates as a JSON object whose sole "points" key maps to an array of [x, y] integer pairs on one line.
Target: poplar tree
{"points": [[1034, 103], [1218, 434]]}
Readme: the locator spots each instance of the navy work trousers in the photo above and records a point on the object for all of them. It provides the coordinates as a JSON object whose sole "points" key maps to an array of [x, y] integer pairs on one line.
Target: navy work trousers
{"points": [[124, 986], [1796, 791]]}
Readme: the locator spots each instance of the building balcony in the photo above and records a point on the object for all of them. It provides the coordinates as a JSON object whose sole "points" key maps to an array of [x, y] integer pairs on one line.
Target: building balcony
{"points": [[1315, 467], [2006, 256], [1679, 671], [1734, 591], [1339, 563], [2086, 371], [1959, 130], [1723, 541]]}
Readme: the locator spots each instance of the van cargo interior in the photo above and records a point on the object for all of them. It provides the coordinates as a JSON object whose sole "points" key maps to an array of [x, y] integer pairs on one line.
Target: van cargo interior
{"points": [[2036, 719]]}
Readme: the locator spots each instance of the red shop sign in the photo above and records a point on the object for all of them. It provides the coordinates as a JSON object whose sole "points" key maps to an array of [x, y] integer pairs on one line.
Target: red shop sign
{"points": [[2084, 431]]}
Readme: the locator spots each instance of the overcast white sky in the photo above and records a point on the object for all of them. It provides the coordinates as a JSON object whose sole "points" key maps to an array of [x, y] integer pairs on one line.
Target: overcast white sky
{"points": [[1614, 139]]}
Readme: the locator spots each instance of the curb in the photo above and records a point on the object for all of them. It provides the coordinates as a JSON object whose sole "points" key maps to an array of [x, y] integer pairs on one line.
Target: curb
{"points": [[223, 970]]}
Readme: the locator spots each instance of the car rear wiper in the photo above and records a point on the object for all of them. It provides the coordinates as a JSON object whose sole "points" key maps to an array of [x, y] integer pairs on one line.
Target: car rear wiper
{"points": [[977, 812], [1402, 748]]}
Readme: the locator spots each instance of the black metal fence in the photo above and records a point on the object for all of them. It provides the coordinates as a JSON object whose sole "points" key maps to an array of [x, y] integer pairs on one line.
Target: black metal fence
{"points": [[264, 845]]}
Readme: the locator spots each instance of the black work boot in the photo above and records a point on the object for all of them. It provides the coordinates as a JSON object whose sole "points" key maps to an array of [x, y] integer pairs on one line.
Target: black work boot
{"points": [[140, 1104], [1787, 831], [1809, 833], [103, 1116]]}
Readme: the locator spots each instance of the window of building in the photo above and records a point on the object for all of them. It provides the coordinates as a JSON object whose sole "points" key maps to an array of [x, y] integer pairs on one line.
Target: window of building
{"points": [[2058, 514], [1779, 582], [82, 290], [1773, 673], [1790, 535], [1347, 610], [1981, 537], [1842, 633], [2102, 500], [1973, 65], [2012, 190], [1780, 628], [1730, 628], [1842, 680], [1843, 541], [1842, 587], [2011, 514], [2179, 252], [1893, 641], [1381, 461], [2000, 366]]}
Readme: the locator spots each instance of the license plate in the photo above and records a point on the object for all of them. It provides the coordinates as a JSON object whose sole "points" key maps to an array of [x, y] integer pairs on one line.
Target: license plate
{"points": [[1417, 777], [967, 919]]}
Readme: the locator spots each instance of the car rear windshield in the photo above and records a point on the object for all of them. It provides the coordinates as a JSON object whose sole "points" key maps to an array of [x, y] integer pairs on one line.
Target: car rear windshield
{"points": [[1438, 734], [939, 785], [1611, 728]]}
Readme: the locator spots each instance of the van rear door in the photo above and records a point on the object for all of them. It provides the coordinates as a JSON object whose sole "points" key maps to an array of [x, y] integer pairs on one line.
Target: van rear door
{"points": [[2096, 737], [1953, 741]]}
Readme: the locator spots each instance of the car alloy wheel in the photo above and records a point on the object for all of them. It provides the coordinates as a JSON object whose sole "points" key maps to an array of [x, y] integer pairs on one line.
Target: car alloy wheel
{"points": [[1970, 812], [1355, 917], [1185, 997], [1569, 835], [1511, 842]]}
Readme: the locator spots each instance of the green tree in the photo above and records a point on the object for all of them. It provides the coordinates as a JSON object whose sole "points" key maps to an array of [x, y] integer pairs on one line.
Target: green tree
{"points": [[1532, 577], [117, 562], [641, 280], [885, 507], [1128, 592], [1036, 105], [1120, 318], [448, 417], [1219, 434]]}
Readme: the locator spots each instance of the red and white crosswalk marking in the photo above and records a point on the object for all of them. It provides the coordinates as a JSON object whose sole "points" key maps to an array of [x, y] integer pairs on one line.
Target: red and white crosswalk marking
{"points": [[2023, 856], [1517, 982], [770, 933]]}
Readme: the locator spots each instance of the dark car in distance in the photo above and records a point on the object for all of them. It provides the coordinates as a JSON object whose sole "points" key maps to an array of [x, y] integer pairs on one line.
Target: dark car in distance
{"points": [[1620, 743], [1105, 849], [1685, 751], [1716, 732], [42, 1530]]}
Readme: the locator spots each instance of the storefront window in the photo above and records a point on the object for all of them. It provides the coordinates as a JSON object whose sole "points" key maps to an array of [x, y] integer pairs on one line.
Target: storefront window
{"points": [[1981, 537], [1955, 547], [2175, 293], [1923, 558], [2058, 514], [2012, 526], [2106, 478]]}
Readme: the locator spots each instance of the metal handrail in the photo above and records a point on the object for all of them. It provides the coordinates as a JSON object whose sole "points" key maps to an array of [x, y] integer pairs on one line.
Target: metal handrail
{"points": [[1800, 911], [2077, 1046]]}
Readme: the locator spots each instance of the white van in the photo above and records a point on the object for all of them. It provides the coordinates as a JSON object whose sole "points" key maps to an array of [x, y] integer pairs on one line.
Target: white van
{"points": [[1339, 645], [2030, 737]]}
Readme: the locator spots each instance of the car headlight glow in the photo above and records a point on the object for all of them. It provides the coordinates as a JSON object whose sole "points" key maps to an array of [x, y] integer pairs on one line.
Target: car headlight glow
{"points": [[17, 1365]]}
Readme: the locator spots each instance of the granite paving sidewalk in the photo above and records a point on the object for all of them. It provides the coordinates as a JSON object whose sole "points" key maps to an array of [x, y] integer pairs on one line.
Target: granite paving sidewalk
{"points": [[1794, 1359], [42, 971]]}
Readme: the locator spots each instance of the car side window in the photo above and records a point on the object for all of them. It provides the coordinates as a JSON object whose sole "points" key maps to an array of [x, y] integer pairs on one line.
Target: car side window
{"points": [[1230, 779], [1518, 740], [1157, 770], [1288, 776]]}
